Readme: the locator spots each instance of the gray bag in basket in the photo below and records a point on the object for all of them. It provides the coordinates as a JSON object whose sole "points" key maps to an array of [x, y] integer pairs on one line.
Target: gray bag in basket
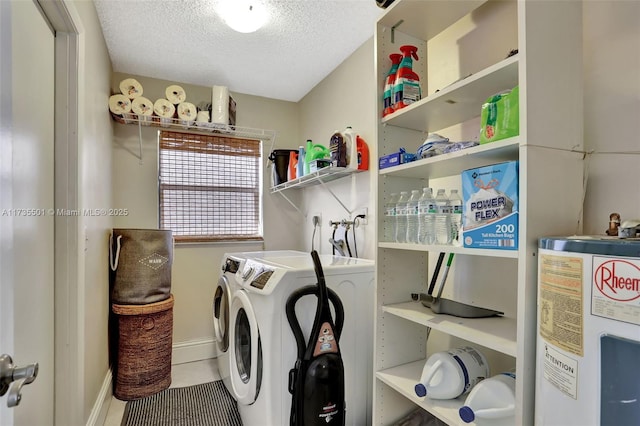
{"points": [[141, 262]]}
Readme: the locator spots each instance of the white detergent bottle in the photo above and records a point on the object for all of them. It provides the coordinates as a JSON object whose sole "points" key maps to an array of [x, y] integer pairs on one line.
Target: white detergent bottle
{"points": [[449, 374], [352, 147], [492, 402]]}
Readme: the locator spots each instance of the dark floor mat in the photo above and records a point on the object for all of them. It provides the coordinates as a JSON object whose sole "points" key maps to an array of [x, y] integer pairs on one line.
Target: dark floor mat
{"points": [[208, 404]]}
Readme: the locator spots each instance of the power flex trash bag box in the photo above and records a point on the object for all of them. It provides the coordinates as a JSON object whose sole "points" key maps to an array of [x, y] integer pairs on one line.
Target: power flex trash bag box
{"points": [[490, 206]]}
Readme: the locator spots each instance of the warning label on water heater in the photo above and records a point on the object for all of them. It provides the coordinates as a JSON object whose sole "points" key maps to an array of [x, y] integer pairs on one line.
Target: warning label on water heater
{"points": [[560, 302], [561, 371]]}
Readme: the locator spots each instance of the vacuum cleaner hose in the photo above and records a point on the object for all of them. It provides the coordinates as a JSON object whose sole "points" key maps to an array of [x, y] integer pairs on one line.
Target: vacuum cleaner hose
{"points": [[293, 321]]}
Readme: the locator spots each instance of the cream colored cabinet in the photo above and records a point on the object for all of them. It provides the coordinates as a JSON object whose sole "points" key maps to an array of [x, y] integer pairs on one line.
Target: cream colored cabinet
{"points": [[464, 57]]}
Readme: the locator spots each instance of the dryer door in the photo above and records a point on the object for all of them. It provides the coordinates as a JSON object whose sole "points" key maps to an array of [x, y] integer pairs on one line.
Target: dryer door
{"points": [[221, 305], [245, 350]]}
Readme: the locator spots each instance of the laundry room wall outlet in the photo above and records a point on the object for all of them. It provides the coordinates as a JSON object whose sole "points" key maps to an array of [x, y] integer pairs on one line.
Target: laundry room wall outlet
{"points": [[316, 219], [365, 212]]}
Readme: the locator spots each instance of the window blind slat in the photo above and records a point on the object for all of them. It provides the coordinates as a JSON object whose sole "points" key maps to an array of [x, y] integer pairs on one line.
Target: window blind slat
{"points": [[209, 187]]}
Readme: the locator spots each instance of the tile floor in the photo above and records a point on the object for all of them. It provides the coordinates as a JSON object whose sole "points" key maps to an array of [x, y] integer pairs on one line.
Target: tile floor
{"points": [[188, 374]]}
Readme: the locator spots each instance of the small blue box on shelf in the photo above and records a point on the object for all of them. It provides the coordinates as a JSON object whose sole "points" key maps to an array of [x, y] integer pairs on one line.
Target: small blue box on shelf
{"points": [[395, 159]]}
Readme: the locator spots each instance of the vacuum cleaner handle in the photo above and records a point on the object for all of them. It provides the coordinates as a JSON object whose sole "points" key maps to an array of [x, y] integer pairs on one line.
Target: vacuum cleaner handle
{"points": [[293, 321], [322, 284]]}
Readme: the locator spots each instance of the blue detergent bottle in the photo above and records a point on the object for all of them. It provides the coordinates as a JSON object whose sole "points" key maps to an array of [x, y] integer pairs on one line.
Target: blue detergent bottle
{"points": [[301, 162]]}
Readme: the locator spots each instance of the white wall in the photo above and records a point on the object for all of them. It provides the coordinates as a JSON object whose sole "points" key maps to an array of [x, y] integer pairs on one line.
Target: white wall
{"points": [[344, 98], [95, 191], [196, 266], [611, 111]]}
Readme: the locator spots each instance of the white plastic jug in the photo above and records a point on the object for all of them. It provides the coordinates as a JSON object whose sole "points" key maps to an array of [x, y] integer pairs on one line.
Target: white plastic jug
{"points": [[352, 149], [449, 374], [492, 402]]}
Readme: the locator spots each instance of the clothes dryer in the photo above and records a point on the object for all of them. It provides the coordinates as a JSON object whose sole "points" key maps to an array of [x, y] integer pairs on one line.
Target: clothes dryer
{"points": [[230, 275], [261, 343]]}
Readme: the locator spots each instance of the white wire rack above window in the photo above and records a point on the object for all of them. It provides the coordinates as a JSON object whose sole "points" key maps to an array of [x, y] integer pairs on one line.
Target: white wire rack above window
{"points": [[229, 131]]}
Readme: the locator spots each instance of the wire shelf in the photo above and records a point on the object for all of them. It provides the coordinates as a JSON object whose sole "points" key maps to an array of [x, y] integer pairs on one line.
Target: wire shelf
{"points": [[191, 126]]}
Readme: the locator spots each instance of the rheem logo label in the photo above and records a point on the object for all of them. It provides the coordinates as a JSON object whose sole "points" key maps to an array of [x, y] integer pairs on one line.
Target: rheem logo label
{"points": [[618, 279]]}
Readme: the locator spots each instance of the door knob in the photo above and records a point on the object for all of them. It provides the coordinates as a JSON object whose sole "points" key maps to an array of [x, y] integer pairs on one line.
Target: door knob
{"points": [[9, 373]]}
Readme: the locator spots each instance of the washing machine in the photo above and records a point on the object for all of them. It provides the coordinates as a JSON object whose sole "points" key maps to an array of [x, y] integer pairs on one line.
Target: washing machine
{"points": [[261, 344]]}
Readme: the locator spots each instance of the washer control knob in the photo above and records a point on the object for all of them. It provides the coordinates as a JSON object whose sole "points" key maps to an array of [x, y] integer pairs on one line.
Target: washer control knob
{"points": [[247, 272]]}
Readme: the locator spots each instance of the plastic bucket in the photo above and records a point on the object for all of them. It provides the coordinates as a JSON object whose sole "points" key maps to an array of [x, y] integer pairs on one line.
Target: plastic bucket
{"points": [[280, 159]]}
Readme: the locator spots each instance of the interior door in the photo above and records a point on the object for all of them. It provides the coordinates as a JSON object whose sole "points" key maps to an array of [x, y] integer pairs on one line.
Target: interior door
{"points": [[26, 202]]}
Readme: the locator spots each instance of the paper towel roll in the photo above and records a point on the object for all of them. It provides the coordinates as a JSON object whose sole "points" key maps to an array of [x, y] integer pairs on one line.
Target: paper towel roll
{"points": [[165, 110], [119, 104], [187, 112], [220, 105], [143, 107], [175, 94], [131, 88]]}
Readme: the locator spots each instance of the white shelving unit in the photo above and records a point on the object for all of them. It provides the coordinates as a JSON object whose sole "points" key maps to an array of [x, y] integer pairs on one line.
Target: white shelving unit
{"points": [[462, 47]]}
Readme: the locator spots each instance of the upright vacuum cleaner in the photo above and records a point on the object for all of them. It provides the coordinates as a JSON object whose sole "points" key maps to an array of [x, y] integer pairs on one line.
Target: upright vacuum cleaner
{"points": [[316, 383]]}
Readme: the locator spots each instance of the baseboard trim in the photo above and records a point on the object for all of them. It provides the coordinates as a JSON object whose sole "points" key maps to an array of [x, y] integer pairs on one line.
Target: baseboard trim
{"points": [[101, 406], [195, 350], [181, 353]]}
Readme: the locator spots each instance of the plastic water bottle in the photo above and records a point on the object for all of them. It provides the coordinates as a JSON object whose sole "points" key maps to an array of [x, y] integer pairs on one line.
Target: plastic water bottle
{"points": [[390, 218], [491, 402], [443, 218], [401, 217], [449, 374], [412, 217], [426, 217], [456, 217]]}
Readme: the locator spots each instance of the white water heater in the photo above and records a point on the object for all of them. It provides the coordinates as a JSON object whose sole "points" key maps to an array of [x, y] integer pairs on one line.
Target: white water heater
{"points": [[588, 334]]}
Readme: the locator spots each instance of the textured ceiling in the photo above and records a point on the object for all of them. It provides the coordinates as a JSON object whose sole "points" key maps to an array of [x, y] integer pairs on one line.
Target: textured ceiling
{"points": [[186, 41]]}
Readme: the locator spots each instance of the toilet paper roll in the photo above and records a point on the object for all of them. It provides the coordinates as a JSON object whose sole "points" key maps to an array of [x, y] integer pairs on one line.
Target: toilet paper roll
{"points": [[131, 88], [143, 107], [202, 119], [220, 105], [165, 110], [187, 112], [119, 104], [175, 94]]}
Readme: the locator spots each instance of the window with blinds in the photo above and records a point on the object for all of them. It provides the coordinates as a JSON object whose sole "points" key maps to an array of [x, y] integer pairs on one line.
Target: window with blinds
{"points": [[210, 187]]}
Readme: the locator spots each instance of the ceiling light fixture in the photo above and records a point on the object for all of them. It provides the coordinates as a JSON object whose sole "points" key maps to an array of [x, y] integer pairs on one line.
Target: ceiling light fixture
{"points": [[244, 16]]}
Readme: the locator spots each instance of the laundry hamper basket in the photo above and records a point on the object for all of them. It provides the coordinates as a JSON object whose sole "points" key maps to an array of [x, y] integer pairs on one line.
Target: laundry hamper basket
{"points": [[141, 261], [144, 341]]}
